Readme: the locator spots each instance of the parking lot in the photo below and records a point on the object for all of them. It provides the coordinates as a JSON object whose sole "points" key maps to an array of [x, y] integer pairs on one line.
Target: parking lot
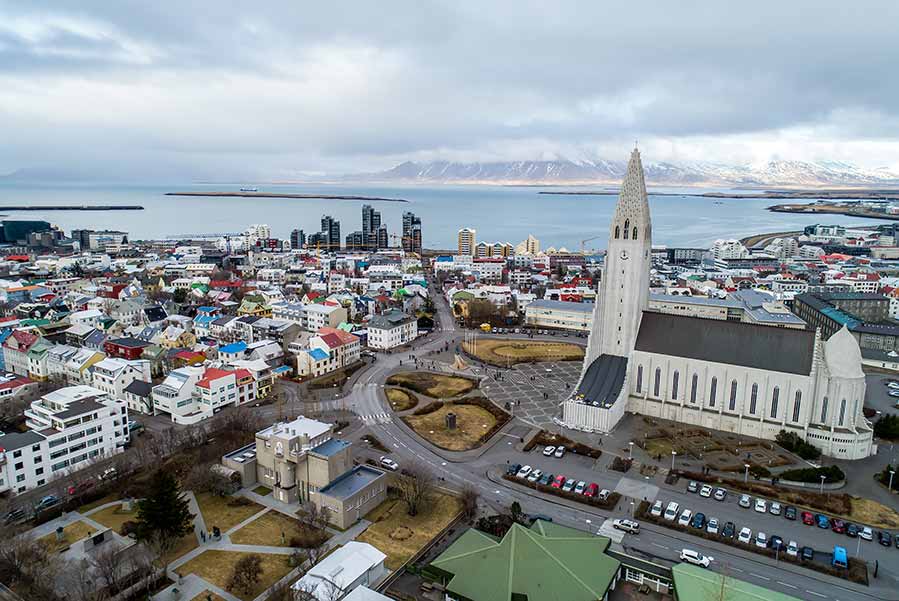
{"points": [[877, 395], [533, 390]]}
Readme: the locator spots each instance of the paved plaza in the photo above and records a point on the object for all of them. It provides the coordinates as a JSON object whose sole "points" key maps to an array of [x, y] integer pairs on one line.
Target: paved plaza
{"points": [[533, 390]]}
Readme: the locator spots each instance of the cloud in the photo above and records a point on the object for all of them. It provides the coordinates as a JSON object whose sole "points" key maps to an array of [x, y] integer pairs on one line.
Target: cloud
{"points": [[225, 89]]}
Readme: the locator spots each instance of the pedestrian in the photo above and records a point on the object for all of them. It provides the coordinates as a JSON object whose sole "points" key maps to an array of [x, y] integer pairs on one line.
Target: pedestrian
{"points": [[203, 535]]}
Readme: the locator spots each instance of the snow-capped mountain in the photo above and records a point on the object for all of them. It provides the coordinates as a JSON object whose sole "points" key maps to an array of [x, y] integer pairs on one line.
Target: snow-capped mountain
{"points": [[564, 171]]}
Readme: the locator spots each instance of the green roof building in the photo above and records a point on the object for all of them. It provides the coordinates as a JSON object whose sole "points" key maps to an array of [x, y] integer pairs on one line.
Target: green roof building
{"points": [[692, 583], [547, 562]]}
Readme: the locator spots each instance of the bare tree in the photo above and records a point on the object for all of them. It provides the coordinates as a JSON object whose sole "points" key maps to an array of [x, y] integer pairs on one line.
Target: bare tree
{"points": [[246, 574], [314, 516], [414, 487], [28, 565], [469, 501], [80, 584]]}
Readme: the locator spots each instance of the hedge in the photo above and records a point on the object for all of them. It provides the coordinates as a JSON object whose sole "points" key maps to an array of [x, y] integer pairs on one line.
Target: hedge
{"points": [[813, 475], [609, 503]]}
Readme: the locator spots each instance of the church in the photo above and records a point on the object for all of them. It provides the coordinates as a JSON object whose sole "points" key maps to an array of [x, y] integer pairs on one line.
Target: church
{"points": [[744, 378]]}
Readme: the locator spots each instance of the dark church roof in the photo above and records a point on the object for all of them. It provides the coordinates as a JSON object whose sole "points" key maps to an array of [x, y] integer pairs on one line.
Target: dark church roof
{"points": [[734, 343], [603, 380]]}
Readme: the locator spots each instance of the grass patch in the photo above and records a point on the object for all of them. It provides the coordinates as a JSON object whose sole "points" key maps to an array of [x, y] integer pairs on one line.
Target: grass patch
{"points": [[436, 386], [113, 517], [401, 400], [660, 446], [101, 501], [216, 567], [401, 536], [262, 490], [187, 544], [225, 512], [473, 423], [267, 530], [503, 353], [72, 533], [873, 513]]}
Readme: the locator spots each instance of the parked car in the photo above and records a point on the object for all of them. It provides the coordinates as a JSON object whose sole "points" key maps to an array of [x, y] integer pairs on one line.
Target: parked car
{"points": [[685, 517], [513, 469], [671, 511], [109, 473], [13, 516], [745, 536], [629, 526], [729, 530], [692, 486], [852, 530], [790, 512], [807, 553], [592, 490], [560, 450], [792, 549], [866, 533], [523, 472], [745, 501], [695, 557], [808, 518], [580, 487], [712, 526], [698, 521], [761, 505], [775, 508], [569, 485], [535, 475], [761, 540], [885, 538], [720, 494], [776, 543], [822, 520], [604, 494], [545, 479], [549, 451], [705, 491], [656, 510], [45, 502], [558, 481], [838, 526], [80, 487]]}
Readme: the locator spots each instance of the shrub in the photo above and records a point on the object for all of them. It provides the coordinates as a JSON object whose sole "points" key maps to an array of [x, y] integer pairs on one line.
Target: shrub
{"points": [[813, 475], [887, 427], [791, 442], [620, 464], [760, 471], [884, 477]]}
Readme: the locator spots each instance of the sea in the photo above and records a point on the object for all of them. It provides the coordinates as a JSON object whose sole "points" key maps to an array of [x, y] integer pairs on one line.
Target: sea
{"points": [[498, 213]]}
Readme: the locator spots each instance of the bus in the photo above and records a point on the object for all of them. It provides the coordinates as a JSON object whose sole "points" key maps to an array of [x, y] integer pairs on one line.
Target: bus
{"points": [[839, 558]]}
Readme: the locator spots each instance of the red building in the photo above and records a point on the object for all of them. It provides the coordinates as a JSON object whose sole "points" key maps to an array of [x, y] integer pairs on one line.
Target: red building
{"points": [[125, 348]]}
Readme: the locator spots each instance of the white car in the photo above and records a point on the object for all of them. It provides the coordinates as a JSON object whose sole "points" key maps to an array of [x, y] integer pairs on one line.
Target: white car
{"points": [[866, 533], [560, 450], [695, 557], [793, 549], [535, 475], [745, 501], [712, 526], [705, 491], [761, 540], [775, 508], [579, 489], [720, 494], [685, 517], [389, 463], [628, 526], [893, 385], [745, 536], [549, 451], [761, 505], [671, 511], [656, 509], [524, 471]]}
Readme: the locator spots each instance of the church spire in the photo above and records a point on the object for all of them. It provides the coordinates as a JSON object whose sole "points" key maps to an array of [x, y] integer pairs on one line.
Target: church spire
{"points": [[632, 210]]}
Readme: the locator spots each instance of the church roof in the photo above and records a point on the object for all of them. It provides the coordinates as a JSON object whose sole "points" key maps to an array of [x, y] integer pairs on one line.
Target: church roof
{"points": [[734, 343], [843, 355], [602, 381]]}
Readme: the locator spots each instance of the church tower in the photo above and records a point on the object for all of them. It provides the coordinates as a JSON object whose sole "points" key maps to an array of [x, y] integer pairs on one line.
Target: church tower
{"points": [[624, 290]]}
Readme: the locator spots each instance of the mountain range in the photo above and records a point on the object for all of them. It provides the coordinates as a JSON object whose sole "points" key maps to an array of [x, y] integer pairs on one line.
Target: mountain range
{"points": [[564, 171]]}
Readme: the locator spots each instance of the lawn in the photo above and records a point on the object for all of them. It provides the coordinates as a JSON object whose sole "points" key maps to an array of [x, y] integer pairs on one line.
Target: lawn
{"points": [[72, 533], [225, 512], [409, 534], [510, 352], [437, 386], [660, 446], [113, 517], [187, 544], [267, 530], [216, 567], [101, 501], [472, 423], [401, 400], [262, 490], [871, 512]]}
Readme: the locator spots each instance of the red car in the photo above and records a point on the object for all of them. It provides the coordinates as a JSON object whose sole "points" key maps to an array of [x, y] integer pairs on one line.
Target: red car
{"points": [[592, 490], [838, 526], [808, 519], [559, 481]]}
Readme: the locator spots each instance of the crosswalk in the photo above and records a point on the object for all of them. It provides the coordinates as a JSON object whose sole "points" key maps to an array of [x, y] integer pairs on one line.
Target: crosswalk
{"points": [[377, 418]]}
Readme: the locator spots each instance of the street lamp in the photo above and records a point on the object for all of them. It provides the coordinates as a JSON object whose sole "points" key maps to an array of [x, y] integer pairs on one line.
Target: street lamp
{"points": [[673, 455], [746, 475], [632, 508], [630, 450], [822, 483], [892, 473]]}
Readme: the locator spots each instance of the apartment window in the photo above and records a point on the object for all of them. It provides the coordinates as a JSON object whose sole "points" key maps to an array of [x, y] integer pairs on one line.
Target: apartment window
{"points": [[20, 478], [797, 405], [39, 471], [38, 458], [713, 391], [733, 395], [674, 383], [639, 379], [658, 382], [58, 454], [36, 448], [775, 397], [19, 466], [16, 454], [693, 388], [824, 410], [76, 435], [58, 466]]}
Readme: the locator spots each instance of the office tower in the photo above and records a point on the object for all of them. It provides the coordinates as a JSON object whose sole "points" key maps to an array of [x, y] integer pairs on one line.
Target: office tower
{"points": [[467, 241], [411, 232], [331, 230], [297, 239], [371, 223]]}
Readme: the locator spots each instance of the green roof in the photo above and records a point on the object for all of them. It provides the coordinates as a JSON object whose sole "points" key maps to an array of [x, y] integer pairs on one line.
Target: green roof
{"points": [[546, 562], [692, 583]]}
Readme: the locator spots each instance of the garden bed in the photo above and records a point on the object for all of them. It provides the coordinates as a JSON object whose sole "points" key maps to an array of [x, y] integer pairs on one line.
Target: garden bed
{"points": [[401, 400], [506, 352], [548, 439], [438, 386], [477, 420]]}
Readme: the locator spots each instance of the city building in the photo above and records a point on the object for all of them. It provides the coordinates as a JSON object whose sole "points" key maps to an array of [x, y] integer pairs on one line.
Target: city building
{"points": [[528, 246], [297, 239], [411, 233], [866, 315], [750, 379], [330, 233], [391, 329], [349, 567], [467, 242], [559, 315]]}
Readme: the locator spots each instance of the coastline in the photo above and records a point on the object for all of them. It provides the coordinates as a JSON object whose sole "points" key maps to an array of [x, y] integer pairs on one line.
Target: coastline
{"points": [[286, 195], [72, 208], [829, 209]]}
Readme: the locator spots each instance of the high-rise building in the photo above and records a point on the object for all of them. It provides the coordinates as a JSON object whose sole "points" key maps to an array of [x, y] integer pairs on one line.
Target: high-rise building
{"points": [[371, 223], [355, 241], [528, 246], [382, 237], [316, 239], [331, 230], [297, 239], [411, 232], [467, 241]]}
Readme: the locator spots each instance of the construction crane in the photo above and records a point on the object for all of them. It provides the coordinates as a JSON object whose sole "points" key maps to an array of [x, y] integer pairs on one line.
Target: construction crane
{"points": [[583, 242]]}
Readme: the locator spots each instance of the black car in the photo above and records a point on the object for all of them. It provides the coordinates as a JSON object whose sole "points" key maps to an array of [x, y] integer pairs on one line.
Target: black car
{"points": [[729, 530], [885, 538], [14, 516], [776, 543], [513, 469], [807, 553], [852, 530], [790, 512]]}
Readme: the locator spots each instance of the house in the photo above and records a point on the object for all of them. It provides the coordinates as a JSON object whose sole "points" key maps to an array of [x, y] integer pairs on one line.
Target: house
{"points": [[254, 309], [219, 388], [125, 348], [347, 568], [90, 317], [37, 360], [345, 347], [138, 396], [13, 387], [15, 351], [77, 368], [265, 350], [233, 351], [391, 329], [323, 316], [314, 362], [177, 337], [113, 375], [175, 395]]}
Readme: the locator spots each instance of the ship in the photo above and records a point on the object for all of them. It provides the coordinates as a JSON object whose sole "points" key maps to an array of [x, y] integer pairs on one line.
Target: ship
{"points": [[249, 189]]}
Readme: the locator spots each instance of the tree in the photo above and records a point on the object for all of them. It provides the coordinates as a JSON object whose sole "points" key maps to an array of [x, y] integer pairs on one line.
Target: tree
{"points": [[469, 501], [180, 295], [246, 574], [163, 516], [887, 427], [516, 512], [414, 487], [313, 516]]}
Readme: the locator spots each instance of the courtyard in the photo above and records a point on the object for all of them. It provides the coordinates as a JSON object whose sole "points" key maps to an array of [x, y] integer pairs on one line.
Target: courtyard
{"points": [[533, 391]]}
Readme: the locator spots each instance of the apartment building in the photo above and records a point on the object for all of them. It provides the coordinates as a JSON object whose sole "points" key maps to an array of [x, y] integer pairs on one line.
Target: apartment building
{"points": [[113, 376], [15, 351], [559, 315], [391, 329], [175, 395], [467, 241]]}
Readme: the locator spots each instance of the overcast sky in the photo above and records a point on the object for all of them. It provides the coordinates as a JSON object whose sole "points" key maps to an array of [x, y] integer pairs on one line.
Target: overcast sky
{"points": [[277, 89]]}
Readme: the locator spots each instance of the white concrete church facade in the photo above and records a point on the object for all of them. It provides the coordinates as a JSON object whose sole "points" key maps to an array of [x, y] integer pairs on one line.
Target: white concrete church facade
{"points": [[744, 378]]}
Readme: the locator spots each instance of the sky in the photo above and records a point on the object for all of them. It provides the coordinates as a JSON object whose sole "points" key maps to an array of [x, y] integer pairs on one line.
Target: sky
{"points": [[283, 90]]}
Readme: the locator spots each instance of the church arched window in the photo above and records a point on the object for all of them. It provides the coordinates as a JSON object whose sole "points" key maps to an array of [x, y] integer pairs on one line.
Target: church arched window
{"points": [[627, 227], [775, 398], [842, 411], [797, 405], [639, 379], [753, 398], [854, 413], [713, 390], [658, 382], [694, 385], [617, 232], [674, 382], [824, 410], [635, 234], [733, 395]]}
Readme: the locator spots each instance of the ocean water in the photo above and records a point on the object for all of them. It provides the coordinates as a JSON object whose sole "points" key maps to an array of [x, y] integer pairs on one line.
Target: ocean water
{"points": [[498, 213]]}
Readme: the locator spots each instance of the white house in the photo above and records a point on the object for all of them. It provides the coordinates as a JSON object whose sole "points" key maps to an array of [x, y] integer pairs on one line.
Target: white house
{"points": [[391, 329], [353, 565]]}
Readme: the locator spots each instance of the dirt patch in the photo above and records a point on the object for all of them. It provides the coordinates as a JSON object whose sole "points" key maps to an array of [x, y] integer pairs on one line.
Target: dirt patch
{"points": [[436, 386], [873, 513], [504, 353], [401, 400], [216, 567]]}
